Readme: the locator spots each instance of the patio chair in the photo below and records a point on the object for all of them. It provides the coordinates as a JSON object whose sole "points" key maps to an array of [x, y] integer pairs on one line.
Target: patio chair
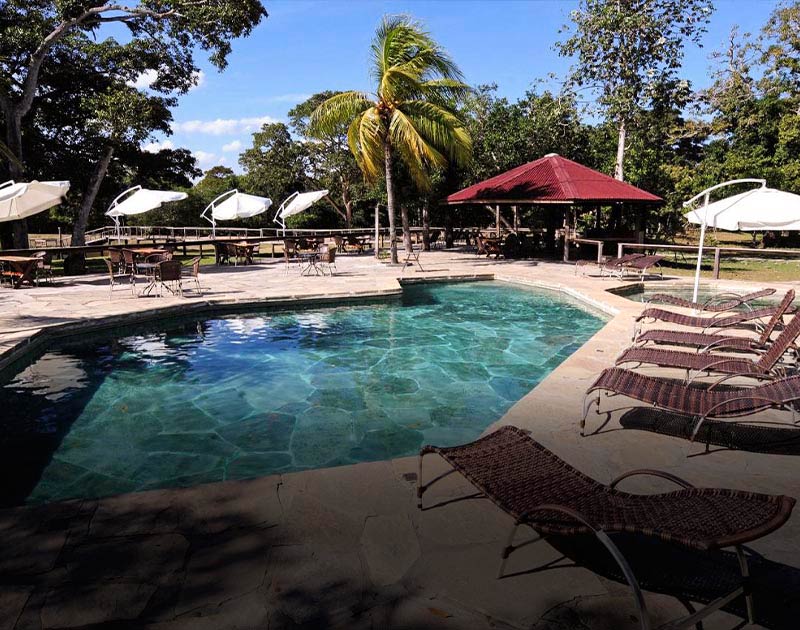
{"points": [[721, 341], [115, 278], [765, 367], [221, 253], [718, 303], [168, 275], [290, 254], [559, 503], [44, 268], [116, 258], [128, 261], [642, 266], [353, 245], [327, 258], [433, 238], [613, 265], [697, 401], [192, 272]]}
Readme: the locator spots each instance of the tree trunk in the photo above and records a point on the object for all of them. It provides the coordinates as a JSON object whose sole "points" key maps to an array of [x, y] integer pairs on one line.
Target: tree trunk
{"points": [[618, 166], [347, 202], [16, 235], [377, 230], [387, 158], [79, 232], [426, 226], [406, 228]]}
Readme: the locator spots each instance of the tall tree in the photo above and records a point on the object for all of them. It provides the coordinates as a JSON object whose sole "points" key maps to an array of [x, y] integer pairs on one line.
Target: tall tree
{"points": [[163, 35], [630, 51], [410, 115]]}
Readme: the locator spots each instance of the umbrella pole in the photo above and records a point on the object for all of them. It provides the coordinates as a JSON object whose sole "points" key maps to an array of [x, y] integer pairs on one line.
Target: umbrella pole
{"points": [[700, 248]]}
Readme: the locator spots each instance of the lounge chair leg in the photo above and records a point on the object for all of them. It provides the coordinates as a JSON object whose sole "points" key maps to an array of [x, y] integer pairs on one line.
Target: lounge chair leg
{"points": [[641, 606], [748, 595], [420, 487]]}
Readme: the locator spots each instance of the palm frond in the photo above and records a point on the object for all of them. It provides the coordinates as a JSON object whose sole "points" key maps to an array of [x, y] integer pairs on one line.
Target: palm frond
{"points": [[336, 112], [419, 154], [441, 128], [447, 88], [371, 134]]}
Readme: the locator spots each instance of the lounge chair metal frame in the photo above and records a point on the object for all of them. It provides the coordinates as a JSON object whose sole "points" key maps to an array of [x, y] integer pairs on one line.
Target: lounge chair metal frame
{"points": [[717, 303], [580, 524]]}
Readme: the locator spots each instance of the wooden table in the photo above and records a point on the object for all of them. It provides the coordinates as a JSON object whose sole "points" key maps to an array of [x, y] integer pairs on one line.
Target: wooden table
{"points": [[23, 268], [147, 251], [246, 250]]}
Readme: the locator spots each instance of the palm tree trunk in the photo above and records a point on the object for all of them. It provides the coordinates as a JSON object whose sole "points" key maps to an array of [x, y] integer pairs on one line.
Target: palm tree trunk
{"points": [[387, 158], [79, 231], [406, 228], [426, 226], [618, 170]]}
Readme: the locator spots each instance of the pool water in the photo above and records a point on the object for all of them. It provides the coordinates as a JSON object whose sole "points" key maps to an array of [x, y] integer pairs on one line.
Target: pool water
{"points": [[240, 396]]}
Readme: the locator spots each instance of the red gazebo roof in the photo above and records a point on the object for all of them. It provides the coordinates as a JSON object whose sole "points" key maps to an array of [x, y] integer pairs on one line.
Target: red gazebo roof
{"points": [[552, 180]]}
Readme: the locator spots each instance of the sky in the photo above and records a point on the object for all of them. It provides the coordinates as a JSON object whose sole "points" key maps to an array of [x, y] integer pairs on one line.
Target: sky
{"points": [[307, 46]]}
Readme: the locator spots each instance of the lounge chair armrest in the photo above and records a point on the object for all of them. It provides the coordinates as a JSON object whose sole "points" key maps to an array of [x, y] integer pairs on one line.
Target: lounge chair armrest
{"points": [[771, 402], [757, 377], [653, 473], [720, 344]]}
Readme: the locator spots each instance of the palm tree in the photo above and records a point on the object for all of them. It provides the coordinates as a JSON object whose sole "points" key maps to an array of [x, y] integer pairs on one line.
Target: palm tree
{"points": [[409, 116]]}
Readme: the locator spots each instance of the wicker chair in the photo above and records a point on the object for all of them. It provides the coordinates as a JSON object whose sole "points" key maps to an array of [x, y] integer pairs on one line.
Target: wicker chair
{"points": [[44, 268], [695, 401], [168, 274], [116, 276], [129, 261], [327, 258], [541, 491], [116, 258], [290, 253], [192, 272]]}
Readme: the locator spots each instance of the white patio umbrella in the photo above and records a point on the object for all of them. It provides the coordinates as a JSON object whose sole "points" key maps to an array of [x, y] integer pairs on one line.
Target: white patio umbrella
{"points": [[757, 209], [296, 203], [234, 205], [21, 200], [139, 200]]}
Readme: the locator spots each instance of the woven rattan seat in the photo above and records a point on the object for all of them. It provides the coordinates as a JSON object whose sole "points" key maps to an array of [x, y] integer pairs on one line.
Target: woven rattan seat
{"points": [[540, 490]]}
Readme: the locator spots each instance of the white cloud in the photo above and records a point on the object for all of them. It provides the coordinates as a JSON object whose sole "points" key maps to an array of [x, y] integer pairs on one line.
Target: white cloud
{"points": [[288, 98], [200, 80], [144, 80], [204, 158], [223, 126], [155, 147], [232, 147]]}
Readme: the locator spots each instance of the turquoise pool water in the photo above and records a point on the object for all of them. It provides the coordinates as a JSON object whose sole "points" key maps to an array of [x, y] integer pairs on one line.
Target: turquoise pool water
{"points": [[247, 395]]}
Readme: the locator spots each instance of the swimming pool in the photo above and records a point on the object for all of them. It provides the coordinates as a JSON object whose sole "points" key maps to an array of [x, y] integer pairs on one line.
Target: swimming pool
{"points": [[187, 402]]}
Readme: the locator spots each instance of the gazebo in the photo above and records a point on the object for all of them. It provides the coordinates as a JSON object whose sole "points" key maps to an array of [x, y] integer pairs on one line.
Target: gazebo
{"points": [[552, 180]]}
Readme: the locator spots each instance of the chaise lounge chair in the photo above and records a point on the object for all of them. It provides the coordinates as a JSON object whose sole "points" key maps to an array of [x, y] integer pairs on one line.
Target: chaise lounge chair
{"points": [[641, 266], [729, 301], [613, 265], [539, 490], [721, 341], [766, 366], [720, 320], [695, 401]]}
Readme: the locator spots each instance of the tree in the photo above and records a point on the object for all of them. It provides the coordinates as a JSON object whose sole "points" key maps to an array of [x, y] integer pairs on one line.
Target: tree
{"points": [[630, 51], [163, 37], [330, 163], [275, 164], [410, 116]]}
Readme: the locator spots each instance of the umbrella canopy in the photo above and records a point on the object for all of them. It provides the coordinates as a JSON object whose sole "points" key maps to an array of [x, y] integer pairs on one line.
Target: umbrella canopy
{"points": [[299, 202], [296, 203], [758, 209], [21, 200], [142, 200], [238, 205]]}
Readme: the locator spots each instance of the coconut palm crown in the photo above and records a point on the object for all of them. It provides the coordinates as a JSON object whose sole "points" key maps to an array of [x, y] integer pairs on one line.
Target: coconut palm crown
{"points": [[410, 115]]}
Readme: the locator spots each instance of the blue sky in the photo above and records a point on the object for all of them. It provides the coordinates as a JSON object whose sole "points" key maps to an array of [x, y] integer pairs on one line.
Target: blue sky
{"points": [[308, 46]]}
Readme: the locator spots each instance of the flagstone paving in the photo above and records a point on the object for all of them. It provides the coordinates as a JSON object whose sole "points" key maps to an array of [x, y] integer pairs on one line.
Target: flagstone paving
{"points": [[346, 547]]}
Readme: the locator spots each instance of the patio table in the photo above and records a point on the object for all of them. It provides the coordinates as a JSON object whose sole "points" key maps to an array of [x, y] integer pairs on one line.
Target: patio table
{"points": [[149, 270], [308, 262], [245, 250], [23, 268]]}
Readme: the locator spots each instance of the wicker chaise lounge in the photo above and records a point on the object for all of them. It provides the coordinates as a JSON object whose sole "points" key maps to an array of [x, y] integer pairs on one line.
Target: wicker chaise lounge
{"points": [[766, 366], [613, 265], [720, 341], [720, 320], [539, 490], [641, 266], [717, 303], [697, 402]]}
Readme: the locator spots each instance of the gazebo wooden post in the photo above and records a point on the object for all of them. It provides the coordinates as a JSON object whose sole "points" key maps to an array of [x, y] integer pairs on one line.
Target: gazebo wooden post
{"points": [[497, 219], [566, 223], [516, 219]]}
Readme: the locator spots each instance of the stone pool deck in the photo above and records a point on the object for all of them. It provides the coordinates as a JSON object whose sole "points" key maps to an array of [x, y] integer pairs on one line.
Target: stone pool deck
{"points": [[344, 547]]}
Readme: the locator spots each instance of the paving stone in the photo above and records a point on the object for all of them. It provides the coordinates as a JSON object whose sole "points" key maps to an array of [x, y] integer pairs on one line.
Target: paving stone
{"points": [[389, 545], [12, 601], [78, 605]]}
